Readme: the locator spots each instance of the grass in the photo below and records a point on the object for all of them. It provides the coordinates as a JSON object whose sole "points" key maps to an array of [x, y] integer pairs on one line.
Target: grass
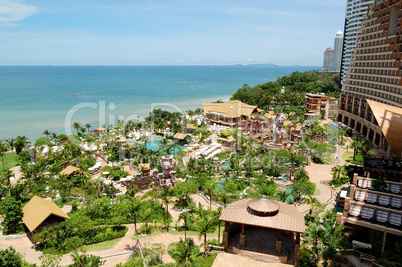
{"points": [[348, 156], [189, 233], [317, 192], [320, 210], [10, 160], [102, 245]]}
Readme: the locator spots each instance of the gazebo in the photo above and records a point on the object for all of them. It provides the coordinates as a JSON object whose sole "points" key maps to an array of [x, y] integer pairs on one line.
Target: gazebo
{"points": [[264, 213]]}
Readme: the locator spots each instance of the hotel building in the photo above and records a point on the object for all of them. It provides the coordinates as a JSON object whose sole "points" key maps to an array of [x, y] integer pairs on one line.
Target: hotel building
{"points": [[328, 60], [371, 98], [336, 63], [355, 9]]}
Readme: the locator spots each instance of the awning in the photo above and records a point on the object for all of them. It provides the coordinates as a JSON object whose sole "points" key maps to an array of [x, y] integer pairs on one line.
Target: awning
{"points": [[389, 119]]}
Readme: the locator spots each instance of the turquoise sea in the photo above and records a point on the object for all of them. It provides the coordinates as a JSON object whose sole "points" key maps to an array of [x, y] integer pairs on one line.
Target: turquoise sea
{"points": [[36, 98]]}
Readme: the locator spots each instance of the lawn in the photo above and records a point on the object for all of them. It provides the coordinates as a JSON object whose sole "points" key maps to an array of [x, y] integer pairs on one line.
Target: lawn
{"points": [[189, 233], [348, 156], [102, 245], [10, 160]]}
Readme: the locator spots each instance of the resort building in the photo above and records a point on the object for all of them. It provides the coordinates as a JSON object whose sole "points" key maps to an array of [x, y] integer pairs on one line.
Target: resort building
{"points": [[315, 104], [375, 203], [39, 213], [231, 114], [371, 99], [355, 9]]}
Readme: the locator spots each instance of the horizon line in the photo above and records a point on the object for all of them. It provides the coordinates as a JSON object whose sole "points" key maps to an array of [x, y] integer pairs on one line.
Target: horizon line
{"points": [[158, 65]]}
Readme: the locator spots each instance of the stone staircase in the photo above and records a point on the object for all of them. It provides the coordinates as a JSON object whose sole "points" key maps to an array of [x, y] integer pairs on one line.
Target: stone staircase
{"points": [[231, 244], [291, 257]]}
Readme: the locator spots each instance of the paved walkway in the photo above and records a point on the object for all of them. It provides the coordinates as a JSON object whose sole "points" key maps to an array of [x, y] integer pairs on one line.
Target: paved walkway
{"points": [[322, 172], [227, 259]]}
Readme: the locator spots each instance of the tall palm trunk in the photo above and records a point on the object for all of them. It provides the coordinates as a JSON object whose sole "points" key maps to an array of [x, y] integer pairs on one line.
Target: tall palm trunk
{"points": [[205, 244]]}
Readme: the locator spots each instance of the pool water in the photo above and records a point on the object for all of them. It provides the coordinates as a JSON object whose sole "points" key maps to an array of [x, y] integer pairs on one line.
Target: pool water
{"points": [[219, 185], [153, 144], [225, 165], [333, 126], [283, 180]]}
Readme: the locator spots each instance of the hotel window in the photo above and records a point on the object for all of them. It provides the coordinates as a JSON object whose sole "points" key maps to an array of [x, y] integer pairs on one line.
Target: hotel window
{"points": [[355, 210], [396, 202], [367, 213], [383, 200], [371, 198], [394, 188], [395, 219], [360, 195], [382, 216]]}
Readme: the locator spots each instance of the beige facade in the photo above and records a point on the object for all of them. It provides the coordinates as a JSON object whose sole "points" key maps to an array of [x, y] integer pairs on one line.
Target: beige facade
{"points": [[233, 113], [375, 72], [315, 103]]}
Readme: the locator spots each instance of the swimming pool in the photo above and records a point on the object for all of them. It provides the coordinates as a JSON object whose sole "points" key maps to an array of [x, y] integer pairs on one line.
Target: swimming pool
{"points": [[333, 126], [153, 144]]}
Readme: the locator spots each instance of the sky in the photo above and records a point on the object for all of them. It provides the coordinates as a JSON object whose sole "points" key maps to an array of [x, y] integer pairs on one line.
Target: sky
{"points": [[167, 32]]}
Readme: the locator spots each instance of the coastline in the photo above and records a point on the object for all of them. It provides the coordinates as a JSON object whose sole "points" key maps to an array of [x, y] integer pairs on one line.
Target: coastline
{"points": [[38, 99]]}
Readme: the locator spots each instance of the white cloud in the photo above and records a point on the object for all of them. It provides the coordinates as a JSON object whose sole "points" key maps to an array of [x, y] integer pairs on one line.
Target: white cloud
{"points": [[14, 10]]}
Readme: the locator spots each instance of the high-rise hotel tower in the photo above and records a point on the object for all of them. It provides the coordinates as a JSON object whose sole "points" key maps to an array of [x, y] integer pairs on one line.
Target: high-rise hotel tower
{"points": [[371, 99], [355, 9], [336, 63]]}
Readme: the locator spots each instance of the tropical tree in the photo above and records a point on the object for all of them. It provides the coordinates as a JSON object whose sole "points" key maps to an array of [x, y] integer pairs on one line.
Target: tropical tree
{"points": [[88, 125], [322, 241], [3, 150], [204, 225], [47, 133], [185, 252], [21, 142], [77, 126], [191, 164], [12, 216], [11, 143], [209, 190], [185, 216], [10, 258], [165, 196], [83, 260]]}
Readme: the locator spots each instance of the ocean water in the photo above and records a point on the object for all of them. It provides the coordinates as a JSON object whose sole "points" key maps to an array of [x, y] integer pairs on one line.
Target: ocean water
{"points": [[33, 99]]}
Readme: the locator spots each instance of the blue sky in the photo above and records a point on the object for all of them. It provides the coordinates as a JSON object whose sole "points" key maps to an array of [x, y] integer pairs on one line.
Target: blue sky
{"points": [[170, 32]]}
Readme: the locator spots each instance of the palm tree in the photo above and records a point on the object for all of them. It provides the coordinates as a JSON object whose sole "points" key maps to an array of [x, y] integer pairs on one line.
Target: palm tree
{"points": [[3, 150], [47, 133], [185, 251], [217, 214], [191, 166], [292, 158], [20, 143], [134, 212], [185, 216], [11, 143], [166, 201], [54, 136], [88, 125], [209, 190], [282, 195], [204, 225], [77, 126]]}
